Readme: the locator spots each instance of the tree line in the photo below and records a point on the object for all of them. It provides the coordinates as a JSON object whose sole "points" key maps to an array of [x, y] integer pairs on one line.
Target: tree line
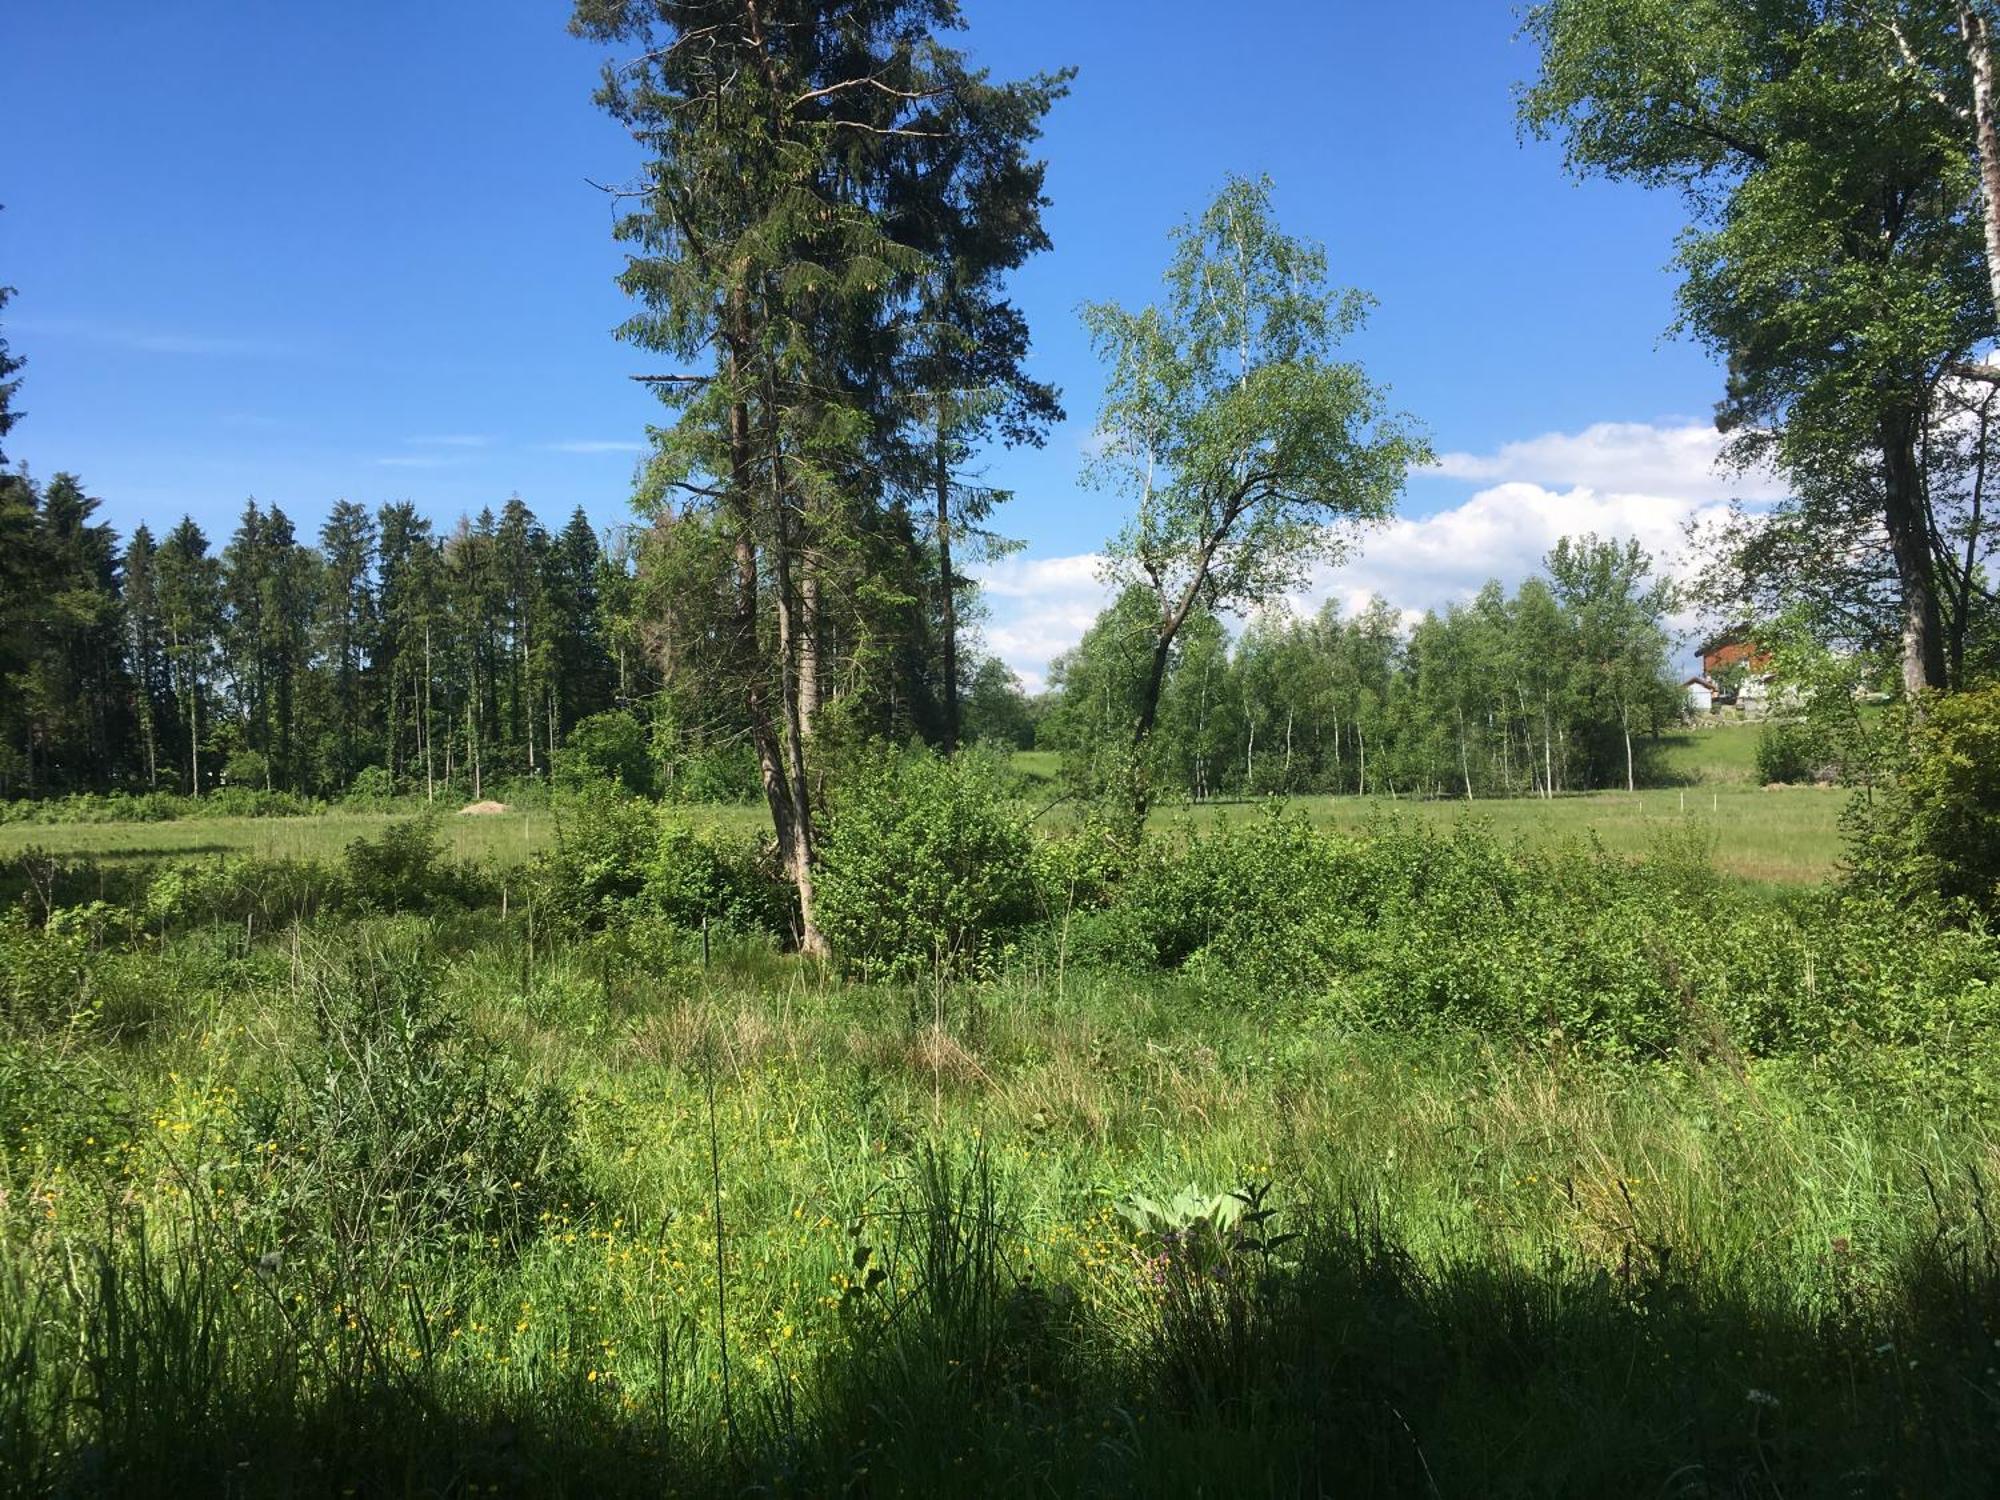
{"points": [[442, 659], [818, 242], [1562, 686]]}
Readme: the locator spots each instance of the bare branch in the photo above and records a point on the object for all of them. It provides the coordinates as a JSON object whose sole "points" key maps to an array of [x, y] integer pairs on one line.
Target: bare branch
{"points": [[1909, 57], [869, 82]]}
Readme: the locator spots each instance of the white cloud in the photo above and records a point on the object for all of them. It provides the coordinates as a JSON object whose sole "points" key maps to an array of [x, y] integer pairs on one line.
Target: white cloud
{"points": [[415, 461], [1038, 608], [1614, 479], [585, 445], [1629, 458], [1432, 561]]}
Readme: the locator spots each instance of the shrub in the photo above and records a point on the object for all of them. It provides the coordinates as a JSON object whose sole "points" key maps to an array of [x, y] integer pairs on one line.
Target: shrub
{"points": [[722, 774], [925, 866], [606, 747], [250, 802], [402, 869], [247, 768], [1934, 831], [1788, 752], [372, 786], [48, 973], [397, 1123], [699, 877], [1263, 906], [259, 894], [597, 868]]}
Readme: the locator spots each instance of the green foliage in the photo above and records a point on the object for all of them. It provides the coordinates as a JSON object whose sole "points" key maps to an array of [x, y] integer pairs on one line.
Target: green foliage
{"points": [[403, 868], [48, 972], [597, 867], [1788, 752], [1834, 259], [247, 768], [1250, 451], [925, 868], [1933, 832], [699, 877], [607, 747], [616, 861], [243, 890], [1562, 686], [372, 786], [1260, 905], [715, 775], [398, 1124]]}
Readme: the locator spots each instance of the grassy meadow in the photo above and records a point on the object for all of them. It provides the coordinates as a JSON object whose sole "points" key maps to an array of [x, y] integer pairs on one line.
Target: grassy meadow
{"points": [[1776, 835], [1269, 1159]]}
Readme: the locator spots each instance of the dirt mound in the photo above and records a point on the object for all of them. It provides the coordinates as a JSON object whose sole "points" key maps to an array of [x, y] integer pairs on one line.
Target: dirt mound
{"points": [[481, 809]]}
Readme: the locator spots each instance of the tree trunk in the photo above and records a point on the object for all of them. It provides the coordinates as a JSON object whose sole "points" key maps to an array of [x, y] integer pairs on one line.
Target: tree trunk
{"points": [[810, 685], [1986, 136], [1149, 712], [949, 601], [784, 793], [1625, 722], [1548, 754], [792, 694], [1907, 520]]}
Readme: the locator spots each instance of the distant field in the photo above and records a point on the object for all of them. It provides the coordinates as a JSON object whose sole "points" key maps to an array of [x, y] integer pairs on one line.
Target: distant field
{"points": [[501, 839], [1721, 752], [1785, 836]]}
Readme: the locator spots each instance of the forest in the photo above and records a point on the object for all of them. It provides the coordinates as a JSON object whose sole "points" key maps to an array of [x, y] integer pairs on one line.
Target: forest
{"points": [[497, 1008]]}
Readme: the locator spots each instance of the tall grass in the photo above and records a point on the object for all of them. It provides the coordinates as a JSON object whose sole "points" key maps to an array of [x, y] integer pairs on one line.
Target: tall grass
{"points": [[1478, 1270]]}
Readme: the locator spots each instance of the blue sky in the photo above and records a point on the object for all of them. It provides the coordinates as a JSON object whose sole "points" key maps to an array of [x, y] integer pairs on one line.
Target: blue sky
{"points": [[313, 251]]}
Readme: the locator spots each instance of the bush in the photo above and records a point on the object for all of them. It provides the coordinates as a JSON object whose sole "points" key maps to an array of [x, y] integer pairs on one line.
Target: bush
{"points": [[403, 869], [1934, 831], [720, 775], [1260, 904], [698, 878], [925, 867], [372, 786], [1788, 752], [248, 769], [48, 973], [241, 890], [399, 1124], [597, 868], [606, 747]]}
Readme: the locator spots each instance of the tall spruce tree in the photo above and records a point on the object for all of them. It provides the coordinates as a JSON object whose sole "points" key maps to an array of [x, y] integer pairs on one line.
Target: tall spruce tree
{"points": [[781, 135], [145, 650], [347, 545], [190, 582]]}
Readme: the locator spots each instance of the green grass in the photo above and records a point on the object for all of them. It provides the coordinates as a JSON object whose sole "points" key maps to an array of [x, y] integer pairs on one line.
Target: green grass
{"points": [[1511, 1275], [501, 839], [748, 1228], [1722, 751], [1780, 836]]}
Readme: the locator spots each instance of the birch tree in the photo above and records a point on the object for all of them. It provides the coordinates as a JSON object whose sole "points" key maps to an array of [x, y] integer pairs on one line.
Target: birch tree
{"points": [[1251, 452]]}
